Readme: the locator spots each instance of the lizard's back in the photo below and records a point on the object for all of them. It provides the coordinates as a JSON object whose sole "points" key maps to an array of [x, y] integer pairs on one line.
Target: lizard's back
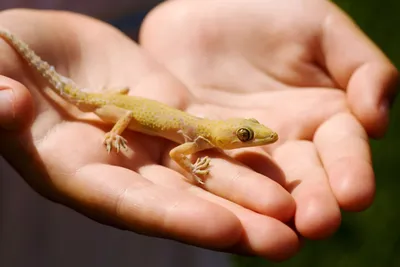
{"points": [[153, 117]]}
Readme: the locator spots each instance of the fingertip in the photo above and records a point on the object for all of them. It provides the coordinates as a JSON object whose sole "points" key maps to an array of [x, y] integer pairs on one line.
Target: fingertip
{"points": [[16, 105], [216, 227], [344, 149], [318, 216], [284, 209], [353, 194], [278, 203], [265, 192], [360, 67], [285, 245], [371, 90], [270, 239]]}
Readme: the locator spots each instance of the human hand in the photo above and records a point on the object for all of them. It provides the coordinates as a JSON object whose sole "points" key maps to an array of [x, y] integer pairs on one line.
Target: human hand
{"points": [[301, 67], [64, 160]]}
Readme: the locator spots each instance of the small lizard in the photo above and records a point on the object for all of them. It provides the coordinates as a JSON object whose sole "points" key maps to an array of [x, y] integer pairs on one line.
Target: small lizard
{"points": [[150, 117]]}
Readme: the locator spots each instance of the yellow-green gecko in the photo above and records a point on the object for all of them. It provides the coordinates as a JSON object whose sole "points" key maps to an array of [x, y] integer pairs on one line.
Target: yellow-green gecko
{"points": [[151, 117]]}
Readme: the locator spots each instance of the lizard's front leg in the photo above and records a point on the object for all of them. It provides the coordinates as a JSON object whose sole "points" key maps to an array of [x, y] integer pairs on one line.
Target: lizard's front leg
{"points": [[123, 117], [180, 155], [113, 138]]}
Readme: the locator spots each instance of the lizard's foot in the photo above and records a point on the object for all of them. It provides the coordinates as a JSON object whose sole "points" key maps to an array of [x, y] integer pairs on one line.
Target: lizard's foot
{"points": [[114, 140], [200, 167]]}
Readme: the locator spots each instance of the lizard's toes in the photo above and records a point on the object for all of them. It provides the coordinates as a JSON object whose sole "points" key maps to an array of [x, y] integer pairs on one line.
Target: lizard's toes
{"points": [[202, 163], [201, 172], [108, 147], [114, 140], [200, 167], [198, 179]]}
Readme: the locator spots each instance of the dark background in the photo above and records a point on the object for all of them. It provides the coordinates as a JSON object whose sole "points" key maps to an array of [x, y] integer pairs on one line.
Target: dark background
{"points": [[372, 237]]}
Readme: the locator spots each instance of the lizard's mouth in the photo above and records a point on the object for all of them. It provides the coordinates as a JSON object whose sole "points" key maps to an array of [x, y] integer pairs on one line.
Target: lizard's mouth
{"points": [[261, 142], [272, 138]]}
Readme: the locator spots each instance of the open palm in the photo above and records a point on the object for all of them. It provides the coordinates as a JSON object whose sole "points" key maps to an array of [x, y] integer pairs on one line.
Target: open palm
{"points": [[64, 159], [300, 67], [240, 208]]}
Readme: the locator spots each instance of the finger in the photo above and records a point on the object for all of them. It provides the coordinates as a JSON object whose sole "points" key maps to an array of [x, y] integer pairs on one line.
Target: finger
{"points": [[238, 183], [261, 235], [360, 67], [343, 146], [127, 199], [317, 212], [16, 105]]}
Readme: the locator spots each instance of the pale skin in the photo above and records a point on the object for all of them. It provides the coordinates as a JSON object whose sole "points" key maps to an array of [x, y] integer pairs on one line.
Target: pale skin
{"points": [[242, 210]]}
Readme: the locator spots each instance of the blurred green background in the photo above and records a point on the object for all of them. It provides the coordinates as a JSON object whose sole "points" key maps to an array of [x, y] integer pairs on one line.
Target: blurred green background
{"points": [[372, 237]]}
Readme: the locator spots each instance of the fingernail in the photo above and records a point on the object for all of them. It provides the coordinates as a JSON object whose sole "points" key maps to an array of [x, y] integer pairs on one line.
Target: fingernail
{"points": [[6, 108], [385, 105], [383, 117], [384, 108]]}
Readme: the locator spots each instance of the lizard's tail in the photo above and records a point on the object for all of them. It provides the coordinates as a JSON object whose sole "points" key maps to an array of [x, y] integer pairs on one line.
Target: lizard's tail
{"points": [[62, 85]]}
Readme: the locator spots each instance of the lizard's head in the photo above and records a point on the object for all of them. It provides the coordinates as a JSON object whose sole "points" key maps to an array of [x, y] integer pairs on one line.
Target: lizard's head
{"points": [[236, 133]]}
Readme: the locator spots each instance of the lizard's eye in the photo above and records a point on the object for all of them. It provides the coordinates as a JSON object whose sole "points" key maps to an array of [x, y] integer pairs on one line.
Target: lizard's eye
{"points": [[245, 134]]}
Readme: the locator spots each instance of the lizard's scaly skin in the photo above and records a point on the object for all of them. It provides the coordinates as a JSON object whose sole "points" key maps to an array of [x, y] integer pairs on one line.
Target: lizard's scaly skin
{"points": [[151, 117]]}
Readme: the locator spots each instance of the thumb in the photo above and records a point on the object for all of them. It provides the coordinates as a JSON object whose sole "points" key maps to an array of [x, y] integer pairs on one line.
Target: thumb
{"points": [[16, 105], [358, 65]]}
